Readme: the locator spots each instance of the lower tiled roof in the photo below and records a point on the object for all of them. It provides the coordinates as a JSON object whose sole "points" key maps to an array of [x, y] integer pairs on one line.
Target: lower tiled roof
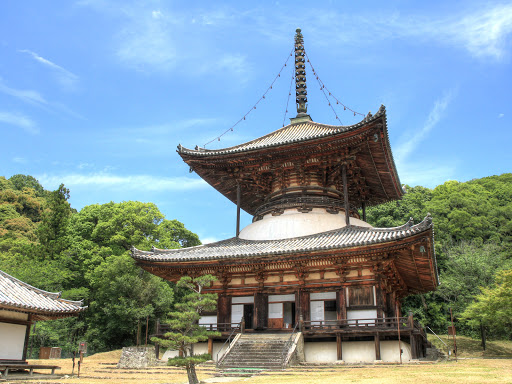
{"points": [[346, 237], [19, 296]]}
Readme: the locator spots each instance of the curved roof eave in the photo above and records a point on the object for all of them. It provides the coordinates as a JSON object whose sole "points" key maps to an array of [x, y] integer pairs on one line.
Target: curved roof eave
{"points": [[17, 295], [253, 144], [346, 237]]}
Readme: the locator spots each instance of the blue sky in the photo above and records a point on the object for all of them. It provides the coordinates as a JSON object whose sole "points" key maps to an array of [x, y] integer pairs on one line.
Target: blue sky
{"points": [[98, 94]]}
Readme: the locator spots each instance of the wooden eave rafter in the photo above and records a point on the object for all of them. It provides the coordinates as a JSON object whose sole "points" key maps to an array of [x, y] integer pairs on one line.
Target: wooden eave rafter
{"points": [[410, 267], [365, 148], [38, 315]]}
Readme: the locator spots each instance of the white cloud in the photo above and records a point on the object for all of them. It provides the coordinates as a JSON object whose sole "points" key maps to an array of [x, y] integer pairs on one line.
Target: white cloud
{"points": [[35, 98], [501, 115], [435, 115], [164, 39], [126, 182], [483, 31], [427, 174], [209, 239], [65, 77], [19, 160], [19, 120], [26, 95]]}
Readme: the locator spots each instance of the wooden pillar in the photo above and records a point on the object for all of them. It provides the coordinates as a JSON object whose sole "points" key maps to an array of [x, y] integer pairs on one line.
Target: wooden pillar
{"points": [[260, 310], [304, 305], [223, 311], [377, 346], [238, 208], [345, 193], [210, 346], [390, 304], [339, 351], [341, 304], [379, 299], [27, 336], [414, 347]]}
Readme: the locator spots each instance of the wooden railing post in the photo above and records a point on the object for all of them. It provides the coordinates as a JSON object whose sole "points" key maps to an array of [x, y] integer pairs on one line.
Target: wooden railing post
{"points": [[410, 320], [242, 325], [301, 323]]}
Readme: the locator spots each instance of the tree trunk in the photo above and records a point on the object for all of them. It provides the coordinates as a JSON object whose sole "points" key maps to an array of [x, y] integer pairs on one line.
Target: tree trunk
{"points": [[191, 373]]}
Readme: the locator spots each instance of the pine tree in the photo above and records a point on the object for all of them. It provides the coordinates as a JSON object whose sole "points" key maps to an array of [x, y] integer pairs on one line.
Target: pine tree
{"points": [[184, 324]]}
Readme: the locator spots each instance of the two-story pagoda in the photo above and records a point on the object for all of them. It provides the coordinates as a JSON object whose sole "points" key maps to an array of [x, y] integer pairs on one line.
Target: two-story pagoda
{"points": [[309, 257]]}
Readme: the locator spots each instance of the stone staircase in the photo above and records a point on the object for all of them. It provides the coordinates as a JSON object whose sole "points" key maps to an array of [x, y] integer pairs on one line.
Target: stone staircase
{"points": [[257, 351]]}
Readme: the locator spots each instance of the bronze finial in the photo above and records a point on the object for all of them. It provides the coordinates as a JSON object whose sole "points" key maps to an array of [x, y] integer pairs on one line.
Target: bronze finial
{"points": [[301, 93]]}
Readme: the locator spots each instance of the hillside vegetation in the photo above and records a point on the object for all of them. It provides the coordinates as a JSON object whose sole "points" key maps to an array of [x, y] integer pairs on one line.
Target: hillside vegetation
{"points": [[85, 254], [473, 243]]}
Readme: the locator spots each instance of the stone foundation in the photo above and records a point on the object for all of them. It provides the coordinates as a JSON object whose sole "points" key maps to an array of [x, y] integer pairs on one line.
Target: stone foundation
{"points": [[137, 357]]}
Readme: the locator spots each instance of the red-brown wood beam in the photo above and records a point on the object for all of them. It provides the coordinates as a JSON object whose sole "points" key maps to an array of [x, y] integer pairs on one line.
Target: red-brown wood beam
{"points": [[237, 208], [27, 336], [339, 350], [377, 346], [345, 193]]}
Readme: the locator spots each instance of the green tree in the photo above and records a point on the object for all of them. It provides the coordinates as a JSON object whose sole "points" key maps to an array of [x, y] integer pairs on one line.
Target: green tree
{"points": [[184, 324], [493, 306], [122, 296], [21, 182], [53, 229]]}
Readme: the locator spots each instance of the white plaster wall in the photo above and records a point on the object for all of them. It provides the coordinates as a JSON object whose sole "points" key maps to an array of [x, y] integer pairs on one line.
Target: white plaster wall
{"points": [[274, 298], [356, 351], [13, 315], [199, 348], [237, 312], [320, 352], [389, 351], [242, 299], [208, 320], [12, 340], [362, 314], [325, 352], [293, 223]]}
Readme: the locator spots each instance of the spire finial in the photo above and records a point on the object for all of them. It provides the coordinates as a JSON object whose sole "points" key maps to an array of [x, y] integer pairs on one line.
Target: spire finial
{"points": [[301, 93]]}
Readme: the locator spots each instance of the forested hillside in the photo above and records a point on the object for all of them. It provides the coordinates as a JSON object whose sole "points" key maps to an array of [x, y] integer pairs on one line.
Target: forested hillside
{"points": [[473, 235], [85, 254]]}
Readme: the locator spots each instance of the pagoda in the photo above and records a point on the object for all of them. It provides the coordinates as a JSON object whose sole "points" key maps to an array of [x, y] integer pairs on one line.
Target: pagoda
{"points": [[309, 260]]}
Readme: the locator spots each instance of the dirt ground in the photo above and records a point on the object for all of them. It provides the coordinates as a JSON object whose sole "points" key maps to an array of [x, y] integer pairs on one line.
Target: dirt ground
{"points": [[101, 368]]}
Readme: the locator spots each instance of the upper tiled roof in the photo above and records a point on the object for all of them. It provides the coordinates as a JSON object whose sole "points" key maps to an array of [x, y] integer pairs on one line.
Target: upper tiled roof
{"points": [[19, 296], [345, 237], [303, 131]]}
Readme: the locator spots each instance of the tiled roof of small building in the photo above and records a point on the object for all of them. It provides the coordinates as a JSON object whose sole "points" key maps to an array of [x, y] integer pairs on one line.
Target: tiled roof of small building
{"points": [[292, 133], [346, 237], [19, 296]]}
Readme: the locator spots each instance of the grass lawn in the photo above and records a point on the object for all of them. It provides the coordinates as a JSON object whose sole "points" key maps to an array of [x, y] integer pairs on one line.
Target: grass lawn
{"points": [[468, 347], [100, 368]]}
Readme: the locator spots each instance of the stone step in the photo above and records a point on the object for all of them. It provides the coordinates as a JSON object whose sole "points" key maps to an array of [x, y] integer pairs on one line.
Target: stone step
{"points": [[265, 351], [253, 358]]}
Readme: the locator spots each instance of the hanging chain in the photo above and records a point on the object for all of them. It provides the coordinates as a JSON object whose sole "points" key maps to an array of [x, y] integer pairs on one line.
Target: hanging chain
{"points": [[254, 106], [322, 87]]}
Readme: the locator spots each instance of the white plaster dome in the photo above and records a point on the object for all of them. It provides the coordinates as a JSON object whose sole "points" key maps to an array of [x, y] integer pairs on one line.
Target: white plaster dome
{"points": [[293, 223]]}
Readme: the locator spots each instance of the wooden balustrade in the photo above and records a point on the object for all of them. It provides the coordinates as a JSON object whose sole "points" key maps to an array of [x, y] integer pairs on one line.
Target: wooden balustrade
{"points": [[376, 323]]}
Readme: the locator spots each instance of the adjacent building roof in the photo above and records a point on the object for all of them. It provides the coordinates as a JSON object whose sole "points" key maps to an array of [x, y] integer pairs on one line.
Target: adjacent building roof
{"points": [[15, 295], [366, 144], [346, 237]]}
